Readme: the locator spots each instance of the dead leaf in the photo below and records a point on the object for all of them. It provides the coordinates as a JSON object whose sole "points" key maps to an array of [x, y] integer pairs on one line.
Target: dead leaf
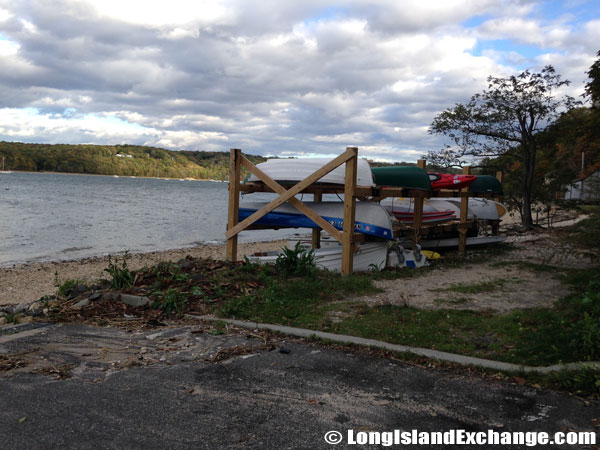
{"points": [[520, 380]]}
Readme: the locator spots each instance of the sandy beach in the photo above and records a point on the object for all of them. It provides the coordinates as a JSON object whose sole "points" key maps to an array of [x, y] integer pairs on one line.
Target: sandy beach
{"points": [[26, 283]]}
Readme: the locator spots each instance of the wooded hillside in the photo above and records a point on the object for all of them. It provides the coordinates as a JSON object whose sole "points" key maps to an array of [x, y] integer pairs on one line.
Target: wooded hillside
{"points": [[122, 160]]}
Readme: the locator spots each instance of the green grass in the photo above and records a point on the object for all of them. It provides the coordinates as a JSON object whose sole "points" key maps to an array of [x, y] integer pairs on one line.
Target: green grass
{"points": [[590, 209], [120, 275], [587, 232], [302, 301]]}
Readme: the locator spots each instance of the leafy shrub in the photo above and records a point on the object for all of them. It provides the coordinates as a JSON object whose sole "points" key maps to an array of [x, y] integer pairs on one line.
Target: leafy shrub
{"points": [[296, 261]]}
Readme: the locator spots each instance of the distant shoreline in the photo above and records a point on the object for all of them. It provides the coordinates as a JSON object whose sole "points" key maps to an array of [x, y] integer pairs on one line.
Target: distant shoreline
{"points": [[114, 175]]}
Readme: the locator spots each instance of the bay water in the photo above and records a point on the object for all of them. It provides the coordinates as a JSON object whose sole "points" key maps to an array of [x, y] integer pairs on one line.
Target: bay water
{"points": [[51, 216]]}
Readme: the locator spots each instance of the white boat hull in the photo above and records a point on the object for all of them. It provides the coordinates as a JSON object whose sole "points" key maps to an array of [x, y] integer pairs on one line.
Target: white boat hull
{"points": [[295, 170], [369, 256], [479, 208]]}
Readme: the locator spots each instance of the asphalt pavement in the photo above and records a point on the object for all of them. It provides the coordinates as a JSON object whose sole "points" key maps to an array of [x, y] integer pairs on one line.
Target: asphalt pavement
{"points": [[76, 386]]}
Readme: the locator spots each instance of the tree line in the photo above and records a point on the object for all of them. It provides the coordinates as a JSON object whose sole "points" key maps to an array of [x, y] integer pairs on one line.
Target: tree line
{"points": [[122, 160]]}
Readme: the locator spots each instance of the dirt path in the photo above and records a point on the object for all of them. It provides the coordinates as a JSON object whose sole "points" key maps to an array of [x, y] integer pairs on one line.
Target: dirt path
{"points": [[500, 284], [477, 287]]}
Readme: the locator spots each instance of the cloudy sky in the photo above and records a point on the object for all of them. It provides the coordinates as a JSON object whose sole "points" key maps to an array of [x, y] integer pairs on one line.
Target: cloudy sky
{"points": [[272, 77]]}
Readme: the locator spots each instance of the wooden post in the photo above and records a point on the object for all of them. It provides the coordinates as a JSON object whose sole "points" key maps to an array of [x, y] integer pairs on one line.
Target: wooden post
{"points": [[499, 178], [464, 210], [349, 212], [496, 224], [316, 232], [418, 209], [234, 201]]}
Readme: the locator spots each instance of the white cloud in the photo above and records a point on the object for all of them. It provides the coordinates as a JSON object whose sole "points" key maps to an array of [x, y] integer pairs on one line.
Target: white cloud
{"points": [[270, 77], [160, 12]]}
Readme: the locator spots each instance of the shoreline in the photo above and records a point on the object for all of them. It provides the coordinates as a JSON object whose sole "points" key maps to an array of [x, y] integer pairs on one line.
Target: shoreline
{"points": [[114, 175], [27, 282]]}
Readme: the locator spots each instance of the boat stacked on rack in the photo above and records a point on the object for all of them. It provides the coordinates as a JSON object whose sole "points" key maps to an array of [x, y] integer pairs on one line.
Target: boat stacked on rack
{"points": [[368, 255], [291, 171], [373, 219], [448, 181], [444, 209], [370, 218]]}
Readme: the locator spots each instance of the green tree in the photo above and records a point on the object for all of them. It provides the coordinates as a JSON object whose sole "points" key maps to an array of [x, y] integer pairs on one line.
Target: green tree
{"points": [[503, 120], [592, 88]]}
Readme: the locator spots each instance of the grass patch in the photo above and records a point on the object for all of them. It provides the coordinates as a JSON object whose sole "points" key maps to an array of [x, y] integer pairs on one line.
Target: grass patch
{"points": [[590, 209], [302, 301], [585, 381], [586, 232]]}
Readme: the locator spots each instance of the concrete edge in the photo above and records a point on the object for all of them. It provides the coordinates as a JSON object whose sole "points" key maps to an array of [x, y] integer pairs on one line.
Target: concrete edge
{"points": [[429, 353]]}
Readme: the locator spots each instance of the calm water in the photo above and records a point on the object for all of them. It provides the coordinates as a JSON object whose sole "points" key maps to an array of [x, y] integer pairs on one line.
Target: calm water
{"points": [[46, 216]]}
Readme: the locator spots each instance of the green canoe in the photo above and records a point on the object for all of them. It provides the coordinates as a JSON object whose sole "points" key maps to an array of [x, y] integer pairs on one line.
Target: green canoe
{"points": [[486, 184], [407, 177]]}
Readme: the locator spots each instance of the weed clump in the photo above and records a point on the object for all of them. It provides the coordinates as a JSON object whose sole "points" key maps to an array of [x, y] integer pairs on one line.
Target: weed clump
{"points": [[171, 301], [121, 276], [296, 261]]}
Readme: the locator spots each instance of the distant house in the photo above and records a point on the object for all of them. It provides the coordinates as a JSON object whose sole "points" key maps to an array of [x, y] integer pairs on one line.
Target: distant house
{"points": [[585, 189], [119, 155]]}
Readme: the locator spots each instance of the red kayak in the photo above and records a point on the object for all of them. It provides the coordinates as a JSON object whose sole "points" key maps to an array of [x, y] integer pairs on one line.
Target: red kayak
{"points": [[449, 181]]}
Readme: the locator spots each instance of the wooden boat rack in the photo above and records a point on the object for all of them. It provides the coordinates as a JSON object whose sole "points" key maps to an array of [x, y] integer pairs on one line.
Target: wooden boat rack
{"points": [[351, 192]]}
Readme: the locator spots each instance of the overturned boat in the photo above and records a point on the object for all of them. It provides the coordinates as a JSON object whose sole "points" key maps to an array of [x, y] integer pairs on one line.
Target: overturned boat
{"points": [[407, 177], [370, 218], [291, 171], [479, 208]]}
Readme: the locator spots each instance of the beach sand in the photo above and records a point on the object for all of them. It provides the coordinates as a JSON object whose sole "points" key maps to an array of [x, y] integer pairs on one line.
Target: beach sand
{"points": [[25, 283]]}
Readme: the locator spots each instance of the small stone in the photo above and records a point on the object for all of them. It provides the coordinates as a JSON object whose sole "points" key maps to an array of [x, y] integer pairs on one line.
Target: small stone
{"points": [[3, 320], [80, 304], [134, 300], [21, 308], [36, 309], [95, 296], [76, 291], [8, 309], [108, 296]]}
